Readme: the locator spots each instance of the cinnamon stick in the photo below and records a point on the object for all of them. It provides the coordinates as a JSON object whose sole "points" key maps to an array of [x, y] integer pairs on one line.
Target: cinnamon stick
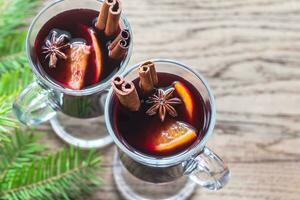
{"points": [[126, 93], [146, 82], [113, 18], [148, 77], [153, 72], [124, 35], [102, 18], [119, 51], [133, 100], [117, 82]]}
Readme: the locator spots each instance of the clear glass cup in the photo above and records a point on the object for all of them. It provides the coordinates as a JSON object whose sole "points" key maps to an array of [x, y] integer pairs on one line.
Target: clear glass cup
{"points": [[76, 116], [196, 166]]}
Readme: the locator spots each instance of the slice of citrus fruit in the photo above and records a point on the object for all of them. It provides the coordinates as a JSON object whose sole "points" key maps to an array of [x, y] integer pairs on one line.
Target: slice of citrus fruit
{"points": [[176, 136], [186, 97], [96, 54], [76, 65]]}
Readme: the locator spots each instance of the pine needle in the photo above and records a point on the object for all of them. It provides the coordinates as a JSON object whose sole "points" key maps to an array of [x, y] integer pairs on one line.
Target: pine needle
{"points": [[21, 149], [64, 175], [11, 84], [6, 122], [13, 14], [13, 26], [14, 68], [12, 52]]}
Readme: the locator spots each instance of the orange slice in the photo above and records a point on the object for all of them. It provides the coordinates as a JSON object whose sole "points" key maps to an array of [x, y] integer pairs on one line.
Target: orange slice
{"points": [[177, 135], [75, 67], [98, 55], [186, 97]]}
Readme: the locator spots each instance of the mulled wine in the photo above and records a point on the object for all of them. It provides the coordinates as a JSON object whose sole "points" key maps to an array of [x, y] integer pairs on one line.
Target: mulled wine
{"points": [[169, 120], [73, 49]]}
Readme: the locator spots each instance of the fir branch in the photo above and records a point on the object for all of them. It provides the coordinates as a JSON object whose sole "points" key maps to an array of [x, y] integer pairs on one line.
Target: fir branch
{"points": [[12, 54], [4, 137], [11, 84], [64, 175], [13, 63], [14, 42], [14, 13], [6, 122], [21, 149]]}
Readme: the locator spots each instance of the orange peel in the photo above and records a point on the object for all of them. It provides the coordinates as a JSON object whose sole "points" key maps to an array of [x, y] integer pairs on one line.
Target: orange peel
{"points": [[186, 97], [177, 135], [98, 55]]}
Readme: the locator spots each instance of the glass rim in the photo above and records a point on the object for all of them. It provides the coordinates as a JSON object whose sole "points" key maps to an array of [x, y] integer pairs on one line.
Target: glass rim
{"points": [[52, 84], [170, 160]]}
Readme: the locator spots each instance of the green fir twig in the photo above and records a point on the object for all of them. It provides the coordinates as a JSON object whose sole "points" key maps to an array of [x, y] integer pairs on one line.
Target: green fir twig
{"points": [[64, 175], [14, 14], [14, 68], [13, 25], [11, 84], [22, 148]]}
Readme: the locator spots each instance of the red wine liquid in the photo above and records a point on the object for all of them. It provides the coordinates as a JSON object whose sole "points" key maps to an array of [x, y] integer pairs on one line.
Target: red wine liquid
{"points": [[73, 23], [137, 129]]}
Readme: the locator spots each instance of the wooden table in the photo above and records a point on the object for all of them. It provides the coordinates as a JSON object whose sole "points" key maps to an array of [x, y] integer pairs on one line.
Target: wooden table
{"points": [[249, 50]]}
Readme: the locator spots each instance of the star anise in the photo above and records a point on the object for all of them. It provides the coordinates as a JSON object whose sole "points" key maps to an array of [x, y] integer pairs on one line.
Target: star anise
{"points": [[53, 47], [163, 103]]}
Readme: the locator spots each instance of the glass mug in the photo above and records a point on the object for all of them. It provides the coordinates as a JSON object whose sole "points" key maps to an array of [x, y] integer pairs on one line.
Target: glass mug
{"points": [[196, 166], [45, 100]]}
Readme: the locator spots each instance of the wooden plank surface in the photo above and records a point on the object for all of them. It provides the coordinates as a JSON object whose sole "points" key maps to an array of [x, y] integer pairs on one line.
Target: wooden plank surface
{"points": [[249, 50]]}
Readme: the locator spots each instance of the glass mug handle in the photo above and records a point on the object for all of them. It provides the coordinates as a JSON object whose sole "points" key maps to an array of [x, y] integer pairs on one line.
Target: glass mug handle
{"points": [[208, 170], [32, 106]]}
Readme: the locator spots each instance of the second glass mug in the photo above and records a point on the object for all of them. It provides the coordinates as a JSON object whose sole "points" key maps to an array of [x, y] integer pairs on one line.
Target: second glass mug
{"points": [[199, 164], [43, 98]]}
